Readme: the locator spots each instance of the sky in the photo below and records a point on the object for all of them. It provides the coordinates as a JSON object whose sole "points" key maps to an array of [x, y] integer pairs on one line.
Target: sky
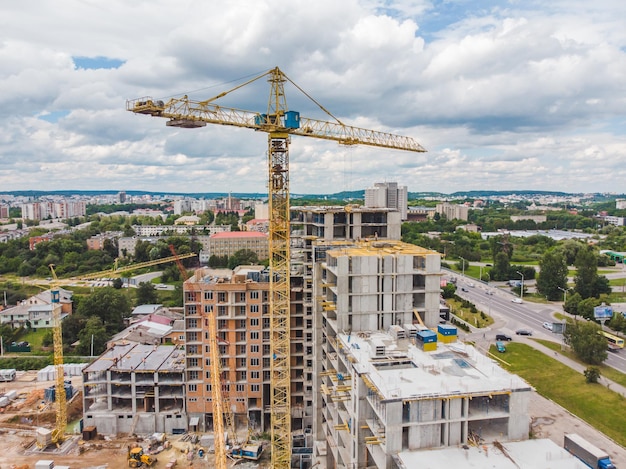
{"points": [[504, 95]]}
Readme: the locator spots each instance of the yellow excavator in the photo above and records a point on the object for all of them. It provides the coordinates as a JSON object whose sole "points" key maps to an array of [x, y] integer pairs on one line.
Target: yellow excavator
{"points": [[137, 458]]}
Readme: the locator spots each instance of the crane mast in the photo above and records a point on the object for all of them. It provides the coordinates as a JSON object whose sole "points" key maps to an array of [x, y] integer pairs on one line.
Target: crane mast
{"points": [[279, 123], [280, 370], [57, 339], [216, 395]]}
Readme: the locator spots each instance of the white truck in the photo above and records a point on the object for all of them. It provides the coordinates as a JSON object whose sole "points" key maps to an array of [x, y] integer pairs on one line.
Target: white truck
{"points": [[591, 455]]}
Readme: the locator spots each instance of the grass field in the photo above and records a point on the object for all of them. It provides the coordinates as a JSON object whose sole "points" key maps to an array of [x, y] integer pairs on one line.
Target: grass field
{"points": [[594, 403], [475, 319]]}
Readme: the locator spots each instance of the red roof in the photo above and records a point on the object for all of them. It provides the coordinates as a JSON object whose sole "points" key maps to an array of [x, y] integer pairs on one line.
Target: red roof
{"points": [[238, 234]]}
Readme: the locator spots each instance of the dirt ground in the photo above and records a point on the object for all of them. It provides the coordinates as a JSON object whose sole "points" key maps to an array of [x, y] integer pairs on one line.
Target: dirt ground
{"points": [[17, 448]]}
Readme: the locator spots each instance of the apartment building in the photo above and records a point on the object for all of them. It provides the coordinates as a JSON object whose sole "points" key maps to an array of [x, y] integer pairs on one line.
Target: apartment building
{"points": [[228, 243], [453, 211], [385, 381], [315, 230], [388, 195], [239, 301]]}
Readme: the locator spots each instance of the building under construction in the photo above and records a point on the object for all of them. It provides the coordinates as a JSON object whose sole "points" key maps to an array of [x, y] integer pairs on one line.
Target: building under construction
{"points": [[136, 388], [389, 377]]}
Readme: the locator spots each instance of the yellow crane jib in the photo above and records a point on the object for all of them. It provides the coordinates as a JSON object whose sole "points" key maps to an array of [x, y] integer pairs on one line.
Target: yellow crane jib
{"points": [[280, 124]]}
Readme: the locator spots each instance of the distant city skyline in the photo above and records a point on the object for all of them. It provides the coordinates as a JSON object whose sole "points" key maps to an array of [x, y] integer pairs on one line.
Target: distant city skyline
{"points": [[504, 95]]}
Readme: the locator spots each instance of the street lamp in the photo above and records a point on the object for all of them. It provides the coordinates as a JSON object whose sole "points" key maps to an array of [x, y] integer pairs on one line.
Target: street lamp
{"points": [[521, 291], [462, 266], [564, 294]]}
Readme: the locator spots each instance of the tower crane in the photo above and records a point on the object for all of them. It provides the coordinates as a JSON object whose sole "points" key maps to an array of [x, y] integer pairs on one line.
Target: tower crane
{"points": [[280, 124], [58, 434]]}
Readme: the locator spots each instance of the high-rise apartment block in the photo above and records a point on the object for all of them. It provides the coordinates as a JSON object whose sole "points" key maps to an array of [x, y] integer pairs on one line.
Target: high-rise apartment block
{"points": [[385, 381], [239, 302], [388, 195]]}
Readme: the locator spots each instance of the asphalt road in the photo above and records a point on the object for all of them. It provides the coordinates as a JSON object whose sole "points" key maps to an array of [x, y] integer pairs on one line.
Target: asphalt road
{"points": [[526, 315]]}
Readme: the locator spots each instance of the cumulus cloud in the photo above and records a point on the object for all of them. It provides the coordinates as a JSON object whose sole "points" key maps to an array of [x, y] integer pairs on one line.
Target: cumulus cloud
{"points": [[515, 95]]}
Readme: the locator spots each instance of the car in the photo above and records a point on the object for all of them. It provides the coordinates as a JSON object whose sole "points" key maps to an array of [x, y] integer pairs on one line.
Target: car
{"points": [[463, 289], [470, 285], [517, 300], [523, 332], [503, 337], [547, 325], [500, 347]]}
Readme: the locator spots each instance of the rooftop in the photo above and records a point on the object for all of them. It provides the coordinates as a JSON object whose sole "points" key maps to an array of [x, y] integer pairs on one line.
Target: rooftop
{"points": [[528, 454], [139, 357], [382, 246], [238, 234], [405, 371]]}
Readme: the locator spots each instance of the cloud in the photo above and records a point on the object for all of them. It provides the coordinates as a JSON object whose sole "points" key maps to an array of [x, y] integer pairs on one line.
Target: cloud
{"points": [[507, 95]]}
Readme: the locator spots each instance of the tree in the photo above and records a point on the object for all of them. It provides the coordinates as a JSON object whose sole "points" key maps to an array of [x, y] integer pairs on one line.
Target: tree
{"points": [[501, 267], [586, 341], [552, 275], [118, 283], [587, 282], [94, 331], [592, 374], [448, 291], [243, 257], [108, 304], [146, 294], [571, 305]]}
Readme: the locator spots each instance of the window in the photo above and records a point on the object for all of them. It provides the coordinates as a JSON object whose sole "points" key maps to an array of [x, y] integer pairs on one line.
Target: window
{"points": [[254, 322], [254, 336], [254, 308], [254, 349], [240, 388], [254, 388], [192, 323], [192, 362], [208, 295], [254, 362], [208, 308], [254, 295], [193, 375], [222, 311], [254, 375], [193, 387], [221, 297]]}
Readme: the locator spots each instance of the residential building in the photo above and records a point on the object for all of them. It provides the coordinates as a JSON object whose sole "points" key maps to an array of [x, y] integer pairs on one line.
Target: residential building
{"points": [[239, 302], [384, 381], [36, 311], [388, 195], [228, 243], [315, 230], [453, 211], [612, 220]]}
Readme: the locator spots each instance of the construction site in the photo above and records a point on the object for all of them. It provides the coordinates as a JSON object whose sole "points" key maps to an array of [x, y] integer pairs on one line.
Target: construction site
{"points": [[332, 357]]}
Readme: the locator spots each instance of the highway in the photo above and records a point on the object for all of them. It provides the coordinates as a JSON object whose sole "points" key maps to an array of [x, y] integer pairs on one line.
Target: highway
{"points": [[498, 303]]}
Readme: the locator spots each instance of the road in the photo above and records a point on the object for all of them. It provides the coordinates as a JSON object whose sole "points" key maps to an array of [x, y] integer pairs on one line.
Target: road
{"points": [[526, 315]]}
